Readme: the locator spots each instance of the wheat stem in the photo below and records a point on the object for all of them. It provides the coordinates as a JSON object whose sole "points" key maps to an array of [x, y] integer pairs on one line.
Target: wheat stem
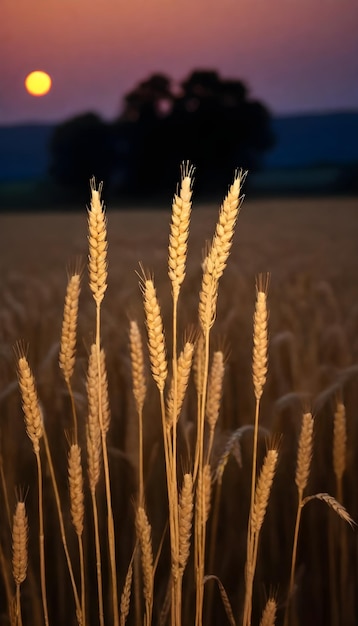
{"points": [[261, 498], [75, 478], [303, 466], [97, 266], [62, 527]]}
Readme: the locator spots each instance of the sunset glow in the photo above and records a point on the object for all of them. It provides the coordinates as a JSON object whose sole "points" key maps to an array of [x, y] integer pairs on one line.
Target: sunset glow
{"points": [[296, 56]]}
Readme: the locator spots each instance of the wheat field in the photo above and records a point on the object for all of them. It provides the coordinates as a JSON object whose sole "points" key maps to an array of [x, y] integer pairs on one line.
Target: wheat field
{"points": [[178, 392]]}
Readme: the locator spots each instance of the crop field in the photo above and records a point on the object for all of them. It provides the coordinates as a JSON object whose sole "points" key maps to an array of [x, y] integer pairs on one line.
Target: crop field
{"points": [[178, 433]]}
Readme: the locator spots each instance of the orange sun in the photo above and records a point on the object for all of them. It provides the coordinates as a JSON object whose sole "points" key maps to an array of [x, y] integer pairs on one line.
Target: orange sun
{"points": [[38, 83]]}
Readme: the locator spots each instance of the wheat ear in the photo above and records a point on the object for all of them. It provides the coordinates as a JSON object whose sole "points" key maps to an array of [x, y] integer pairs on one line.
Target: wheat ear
{"points": [[75, 479], [126, 595], [137, 362], [30, 403], [144, 533], [268, 617], [34, 428], [214, 395], [263, 490], [20, 533], [156, 342], [339, 446], [185, 520], [93, 426], [259, 360], [304, 456], [139, 392], [216, 259], [183, 372], [97, 240], [67, 354], [179, 229], [333, 504]]}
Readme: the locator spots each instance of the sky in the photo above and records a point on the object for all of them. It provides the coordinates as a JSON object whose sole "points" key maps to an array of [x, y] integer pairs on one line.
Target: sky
{"points": [[297, 56]]}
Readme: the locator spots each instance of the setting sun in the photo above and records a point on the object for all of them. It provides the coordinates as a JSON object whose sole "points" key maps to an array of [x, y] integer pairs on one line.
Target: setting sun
{"points": [[38, 83]]}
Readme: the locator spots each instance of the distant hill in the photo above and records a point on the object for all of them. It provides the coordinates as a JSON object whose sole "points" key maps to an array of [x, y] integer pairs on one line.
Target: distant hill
{"points": [[302, 141], [24, 152], [314, 140]]}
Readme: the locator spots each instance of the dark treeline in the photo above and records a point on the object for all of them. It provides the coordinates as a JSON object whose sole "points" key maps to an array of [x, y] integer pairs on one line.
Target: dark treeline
{"points": [[210, 121]]}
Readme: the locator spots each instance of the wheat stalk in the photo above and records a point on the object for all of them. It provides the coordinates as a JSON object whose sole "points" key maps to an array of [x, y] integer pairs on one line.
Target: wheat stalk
{"points": [[177, 254], [339, 466], [303, 465], [75, 479], [97, 266], [213, 267], [259, 371], [262, 494], [62, 528], [34, 428], [94, 463]]}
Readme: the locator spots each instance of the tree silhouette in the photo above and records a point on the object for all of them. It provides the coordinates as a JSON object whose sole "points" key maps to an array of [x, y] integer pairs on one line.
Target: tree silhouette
{"points": [[208, 120]]}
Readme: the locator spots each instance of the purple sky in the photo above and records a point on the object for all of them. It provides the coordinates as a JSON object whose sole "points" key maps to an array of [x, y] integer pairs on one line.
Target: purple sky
{"points": [[295, 55]]}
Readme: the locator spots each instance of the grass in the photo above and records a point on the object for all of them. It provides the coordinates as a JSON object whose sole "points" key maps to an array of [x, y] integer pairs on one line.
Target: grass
{"points": [[210, 477]]}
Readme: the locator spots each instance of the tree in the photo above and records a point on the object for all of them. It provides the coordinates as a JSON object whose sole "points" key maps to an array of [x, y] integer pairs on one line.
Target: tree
{"points": [[210, 121]]}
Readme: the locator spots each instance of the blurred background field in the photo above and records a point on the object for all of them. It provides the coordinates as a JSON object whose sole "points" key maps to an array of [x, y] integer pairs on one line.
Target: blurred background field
{"points": [[309, 246]]}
